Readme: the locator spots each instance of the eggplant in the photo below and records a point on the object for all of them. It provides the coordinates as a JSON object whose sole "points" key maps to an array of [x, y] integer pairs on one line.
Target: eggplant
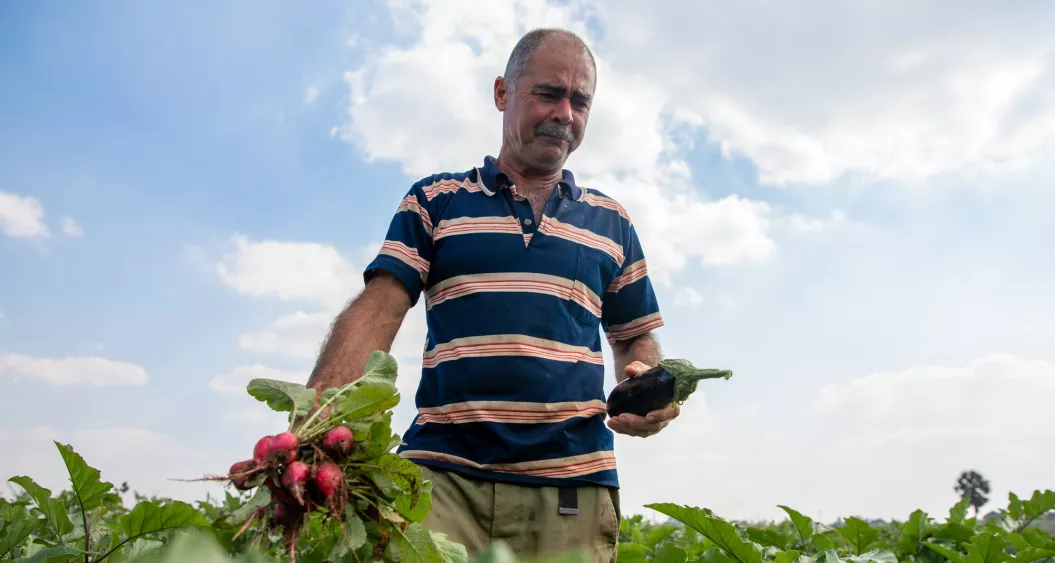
{"points": [[672, 381]]}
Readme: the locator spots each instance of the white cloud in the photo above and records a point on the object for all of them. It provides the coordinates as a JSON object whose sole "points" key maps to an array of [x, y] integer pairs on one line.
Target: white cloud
{"points": [[893, 90], [297, 335], [234, 382], [989, 398], [676, 228], [22, 216], [293, 271], [801, 223], [688, 297], [62, 372], [311, 94], [70, 227], [632, 149], [258, 416], [310, 273], [906, 434]]}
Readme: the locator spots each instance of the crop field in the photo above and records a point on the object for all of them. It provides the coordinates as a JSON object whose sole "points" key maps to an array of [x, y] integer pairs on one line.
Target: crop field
{"points": [[330, 489]]}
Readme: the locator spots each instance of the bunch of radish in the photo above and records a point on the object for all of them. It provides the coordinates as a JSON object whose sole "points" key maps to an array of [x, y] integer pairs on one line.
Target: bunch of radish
{"points": [[290, 477], [300, 477], [334, 472]]}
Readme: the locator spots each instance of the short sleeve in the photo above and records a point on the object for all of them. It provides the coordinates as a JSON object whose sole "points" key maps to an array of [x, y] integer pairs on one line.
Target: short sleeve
{"points": [[629, 306], [407, 248]]}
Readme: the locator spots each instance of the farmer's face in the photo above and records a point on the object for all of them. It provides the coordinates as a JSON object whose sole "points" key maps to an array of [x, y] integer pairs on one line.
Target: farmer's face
{"points": [[545, 119]]}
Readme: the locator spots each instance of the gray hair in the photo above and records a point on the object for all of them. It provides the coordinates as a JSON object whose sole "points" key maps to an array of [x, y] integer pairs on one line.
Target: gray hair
{"points": [[528, 44]]}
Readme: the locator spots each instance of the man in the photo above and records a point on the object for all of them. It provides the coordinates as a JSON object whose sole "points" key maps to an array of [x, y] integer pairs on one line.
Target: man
{"points": [[519, 267]]}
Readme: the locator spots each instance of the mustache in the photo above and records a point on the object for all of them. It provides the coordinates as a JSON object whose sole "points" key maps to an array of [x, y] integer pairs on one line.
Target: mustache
{"points": [[556, 131]]}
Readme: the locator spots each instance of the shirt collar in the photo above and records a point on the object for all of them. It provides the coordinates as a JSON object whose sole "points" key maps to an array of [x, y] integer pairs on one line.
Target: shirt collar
{"points": [[492, 180]]}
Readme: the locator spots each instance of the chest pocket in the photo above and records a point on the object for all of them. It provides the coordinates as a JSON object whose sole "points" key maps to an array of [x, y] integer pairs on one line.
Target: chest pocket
{"points": [[593, 271]]}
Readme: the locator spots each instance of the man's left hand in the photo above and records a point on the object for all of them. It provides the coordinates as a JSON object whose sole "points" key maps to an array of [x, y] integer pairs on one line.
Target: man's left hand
{"points": [[642, 426]]}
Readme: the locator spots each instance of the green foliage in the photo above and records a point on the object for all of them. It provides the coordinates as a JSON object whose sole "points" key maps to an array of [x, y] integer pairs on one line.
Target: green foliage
{"points": [[1013, 538], [52, 509], [100, 529], [389, 500], [14, 533], [859, 536], [723, 534], [282, 396], [32, 529]]}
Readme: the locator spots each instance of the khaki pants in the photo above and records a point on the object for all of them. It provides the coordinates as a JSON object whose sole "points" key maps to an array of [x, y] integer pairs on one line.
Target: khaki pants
{"points": [[476, 513]]}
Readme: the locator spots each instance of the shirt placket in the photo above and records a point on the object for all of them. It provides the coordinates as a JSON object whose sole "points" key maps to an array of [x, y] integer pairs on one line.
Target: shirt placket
{"points": [[521, 210], [524, 214]]}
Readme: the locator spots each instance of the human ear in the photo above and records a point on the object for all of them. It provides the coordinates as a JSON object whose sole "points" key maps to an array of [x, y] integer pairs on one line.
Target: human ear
{"points": [[501, 92]]}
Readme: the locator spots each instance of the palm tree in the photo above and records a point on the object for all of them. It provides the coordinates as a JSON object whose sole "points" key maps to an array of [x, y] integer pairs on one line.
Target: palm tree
{"points": [[972, 484]]}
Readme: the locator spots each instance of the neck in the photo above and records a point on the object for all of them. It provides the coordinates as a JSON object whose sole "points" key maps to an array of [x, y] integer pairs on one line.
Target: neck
{"points": [[526, 178]]}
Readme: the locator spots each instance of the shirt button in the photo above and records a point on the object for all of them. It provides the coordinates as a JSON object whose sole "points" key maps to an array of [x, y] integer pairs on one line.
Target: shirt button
{"points": [[527, 221]]}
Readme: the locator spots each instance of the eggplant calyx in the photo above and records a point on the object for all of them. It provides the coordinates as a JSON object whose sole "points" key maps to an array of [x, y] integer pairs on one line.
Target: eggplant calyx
{"points": [[686, 376]]}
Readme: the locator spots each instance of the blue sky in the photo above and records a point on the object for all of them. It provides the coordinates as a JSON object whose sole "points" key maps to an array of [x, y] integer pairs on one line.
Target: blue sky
{"points": [[156, 136], [848, 240]]}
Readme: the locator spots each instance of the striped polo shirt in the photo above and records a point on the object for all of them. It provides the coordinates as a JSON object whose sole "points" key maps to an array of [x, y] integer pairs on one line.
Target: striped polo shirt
{"points": [[512, 373]]}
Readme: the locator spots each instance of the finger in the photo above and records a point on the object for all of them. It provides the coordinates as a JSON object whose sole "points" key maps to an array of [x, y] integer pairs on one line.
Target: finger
{"points": [[663, 415], [639, 430], [622, 427], [649, 429], [652, 425], [617, 426], [631, 419], [635, 367], [637, 424]]}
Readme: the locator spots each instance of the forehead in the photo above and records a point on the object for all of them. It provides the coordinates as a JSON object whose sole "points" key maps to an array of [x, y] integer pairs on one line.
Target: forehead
{"points": [[561, 63]]}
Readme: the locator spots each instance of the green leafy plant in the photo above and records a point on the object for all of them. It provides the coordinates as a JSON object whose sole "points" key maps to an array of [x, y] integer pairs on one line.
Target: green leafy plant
{"points": [[374, 509], [799, 539], [96, 532]]}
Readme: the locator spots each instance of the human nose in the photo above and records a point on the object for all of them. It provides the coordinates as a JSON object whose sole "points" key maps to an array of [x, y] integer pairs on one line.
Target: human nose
{"points": [[562, 112]]}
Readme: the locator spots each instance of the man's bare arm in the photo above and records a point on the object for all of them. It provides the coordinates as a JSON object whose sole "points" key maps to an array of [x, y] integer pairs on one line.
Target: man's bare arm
{"points": [[644, 349], [370, 322]]}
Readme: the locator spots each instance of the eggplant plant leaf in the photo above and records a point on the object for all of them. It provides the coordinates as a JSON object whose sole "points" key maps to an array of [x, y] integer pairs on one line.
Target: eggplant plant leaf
{"points": [[52, 509], [88, 487], [722, 533]]}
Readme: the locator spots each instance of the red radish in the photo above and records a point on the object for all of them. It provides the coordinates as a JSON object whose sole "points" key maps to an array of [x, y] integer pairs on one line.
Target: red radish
{"points": [[262, 447], [281, 513], [286, 514], [239, 473], [328, 477], [338, 441], [295, 478], [279, 495], [284, 447]]}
